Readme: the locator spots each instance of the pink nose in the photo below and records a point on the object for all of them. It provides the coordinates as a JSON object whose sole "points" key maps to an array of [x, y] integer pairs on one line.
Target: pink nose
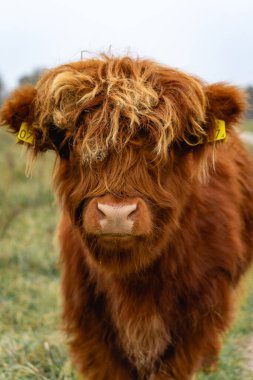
{"points": [[107, 216], [117, 218]]}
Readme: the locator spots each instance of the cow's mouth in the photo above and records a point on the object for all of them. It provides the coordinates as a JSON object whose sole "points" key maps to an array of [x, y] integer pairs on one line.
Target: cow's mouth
{"points": [[120, 254], [116, 240], [115, 236]]}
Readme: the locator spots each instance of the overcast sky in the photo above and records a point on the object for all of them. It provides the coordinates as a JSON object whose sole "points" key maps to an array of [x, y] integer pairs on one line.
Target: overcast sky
{"points": [[210, 38]]}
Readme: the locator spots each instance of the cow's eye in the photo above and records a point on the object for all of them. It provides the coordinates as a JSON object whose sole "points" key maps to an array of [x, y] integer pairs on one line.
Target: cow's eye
{"points": [[143, 133], [58, 140], [143, 136]]}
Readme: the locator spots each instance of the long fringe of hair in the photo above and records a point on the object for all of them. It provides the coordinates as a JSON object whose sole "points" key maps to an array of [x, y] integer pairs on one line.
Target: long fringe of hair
{"points": [[104, 104]]}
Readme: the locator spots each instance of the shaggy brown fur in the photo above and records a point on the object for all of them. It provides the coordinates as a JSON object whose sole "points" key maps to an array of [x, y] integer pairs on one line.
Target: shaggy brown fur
{"points": [[152, 304]]}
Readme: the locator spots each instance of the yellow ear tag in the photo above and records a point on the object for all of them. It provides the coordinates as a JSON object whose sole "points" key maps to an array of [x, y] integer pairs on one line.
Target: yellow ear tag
{"points": [[25, 134], [220, 131]]}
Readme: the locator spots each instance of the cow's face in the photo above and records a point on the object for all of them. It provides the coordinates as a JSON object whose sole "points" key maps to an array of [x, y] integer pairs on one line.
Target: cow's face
{"points": [[131, 138], [126, 206]]}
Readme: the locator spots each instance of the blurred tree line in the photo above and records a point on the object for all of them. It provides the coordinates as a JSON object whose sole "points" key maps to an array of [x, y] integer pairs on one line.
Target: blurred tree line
{"points": [[34, 76], [2, 91], [29, 78], [250, 101]]}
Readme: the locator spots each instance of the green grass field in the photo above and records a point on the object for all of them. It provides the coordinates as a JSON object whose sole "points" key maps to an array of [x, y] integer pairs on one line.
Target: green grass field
{"points": [[31, 343], [248, 125]]}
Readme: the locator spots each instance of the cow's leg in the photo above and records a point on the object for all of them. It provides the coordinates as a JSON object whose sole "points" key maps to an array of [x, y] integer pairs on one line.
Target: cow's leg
{"points": [[210, 356], [210, 363], [181, 365], [101, 365], [162, 376]]}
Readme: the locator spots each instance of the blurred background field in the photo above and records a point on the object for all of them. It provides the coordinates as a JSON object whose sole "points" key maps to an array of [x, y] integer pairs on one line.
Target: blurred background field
{"points": [[248, 125], [31, 346], [31, 343]]}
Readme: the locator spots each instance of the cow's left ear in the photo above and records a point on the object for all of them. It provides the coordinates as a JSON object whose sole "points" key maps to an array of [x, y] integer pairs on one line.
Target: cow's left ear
{"points": [[225, 102]]}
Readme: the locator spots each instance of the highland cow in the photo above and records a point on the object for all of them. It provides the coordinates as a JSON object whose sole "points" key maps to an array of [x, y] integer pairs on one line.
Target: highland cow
{"points": [[156, 192]]}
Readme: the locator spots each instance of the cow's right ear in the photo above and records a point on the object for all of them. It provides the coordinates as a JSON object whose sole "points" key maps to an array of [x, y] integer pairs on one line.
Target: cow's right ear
{"points": [[18, 114], [18, 108]]}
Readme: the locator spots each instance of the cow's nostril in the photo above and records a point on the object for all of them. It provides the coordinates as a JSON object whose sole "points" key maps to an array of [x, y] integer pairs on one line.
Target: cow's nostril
{"points": [[100, 212], [132, 213]]}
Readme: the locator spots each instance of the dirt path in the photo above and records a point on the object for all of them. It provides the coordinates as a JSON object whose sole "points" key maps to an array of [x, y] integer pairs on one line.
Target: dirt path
{"points": [[247, 137], [249, 353]]}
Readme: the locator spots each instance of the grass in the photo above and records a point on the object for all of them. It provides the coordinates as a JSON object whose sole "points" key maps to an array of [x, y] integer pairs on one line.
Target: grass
{"points": [[233, 364], [248, 125], [31, 343]]}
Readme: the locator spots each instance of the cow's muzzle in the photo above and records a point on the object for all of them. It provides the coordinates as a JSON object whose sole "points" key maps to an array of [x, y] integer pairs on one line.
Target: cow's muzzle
{"points": [[111, 217]]}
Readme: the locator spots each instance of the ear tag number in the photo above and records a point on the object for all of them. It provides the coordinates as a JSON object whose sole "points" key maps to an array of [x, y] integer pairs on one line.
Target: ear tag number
{"points": [[25, 134], [220, 132]]}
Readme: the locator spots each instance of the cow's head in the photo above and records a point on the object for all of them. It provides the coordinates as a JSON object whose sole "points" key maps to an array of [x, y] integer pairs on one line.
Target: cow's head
{"points": [[131, 138]]}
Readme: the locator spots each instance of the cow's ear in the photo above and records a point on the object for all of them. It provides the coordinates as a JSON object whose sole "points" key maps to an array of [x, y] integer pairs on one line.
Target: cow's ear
{"points": [[18, 114], [225, 102], [18, 108]]}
